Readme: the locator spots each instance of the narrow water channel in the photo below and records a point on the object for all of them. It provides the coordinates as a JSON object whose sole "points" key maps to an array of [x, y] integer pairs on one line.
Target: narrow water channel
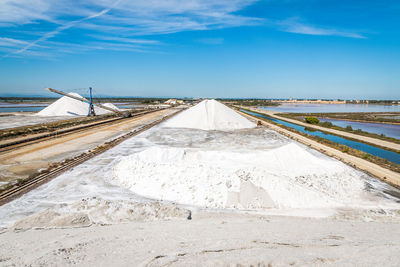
{"points": [[375, 151], [391, 130]]}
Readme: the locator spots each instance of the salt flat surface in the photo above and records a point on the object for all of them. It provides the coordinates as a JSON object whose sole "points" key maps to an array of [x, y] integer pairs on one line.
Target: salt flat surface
{"points": [[209, 239], [19, 120], [66, 106], [209, 115]]}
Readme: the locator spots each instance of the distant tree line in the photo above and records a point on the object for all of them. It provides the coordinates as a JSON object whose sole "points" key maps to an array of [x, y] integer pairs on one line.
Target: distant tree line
{"points": [[250, 102]]}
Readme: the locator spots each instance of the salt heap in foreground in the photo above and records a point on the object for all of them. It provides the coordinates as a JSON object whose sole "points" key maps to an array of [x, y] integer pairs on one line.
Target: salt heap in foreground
{"points": [[209, 115], [66, 106], [288, 177]]}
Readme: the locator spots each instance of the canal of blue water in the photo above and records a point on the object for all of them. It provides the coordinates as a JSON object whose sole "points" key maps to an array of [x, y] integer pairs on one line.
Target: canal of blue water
{"points": [[21, 109], [375, 151], [391, 130]]}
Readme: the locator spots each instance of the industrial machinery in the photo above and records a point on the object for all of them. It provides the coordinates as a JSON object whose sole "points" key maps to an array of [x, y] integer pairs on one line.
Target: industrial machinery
{"points": [[90, 102], [91, 107]]}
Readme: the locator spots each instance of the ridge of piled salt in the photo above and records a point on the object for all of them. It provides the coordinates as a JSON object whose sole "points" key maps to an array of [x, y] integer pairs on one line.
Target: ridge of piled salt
{"points": [[285, 177], [209, 115], [66, 106]]}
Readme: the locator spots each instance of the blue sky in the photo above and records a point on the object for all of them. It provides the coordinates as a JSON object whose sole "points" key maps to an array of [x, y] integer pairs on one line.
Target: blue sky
{"points": [[209, 48]]}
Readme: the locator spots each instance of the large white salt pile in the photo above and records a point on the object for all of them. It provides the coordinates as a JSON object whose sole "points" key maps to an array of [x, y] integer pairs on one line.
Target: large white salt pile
{"points": [[209, 115], [288, 177], [111, 105], [66, 106]]}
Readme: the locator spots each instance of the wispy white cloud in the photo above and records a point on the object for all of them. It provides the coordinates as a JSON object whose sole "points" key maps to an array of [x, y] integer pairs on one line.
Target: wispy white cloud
{"points": [[294, 26], [17, 12], [125, 40], [4, 41], [116, 21], [66, 26], [126, 24], [169, 16], [8, 45]]}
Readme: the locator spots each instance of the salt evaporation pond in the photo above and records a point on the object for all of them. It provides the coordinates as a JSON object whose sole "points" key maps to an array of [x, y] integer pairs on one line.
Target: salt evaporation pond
{"points": [[332, 108], [248, 169], [21, 109]]}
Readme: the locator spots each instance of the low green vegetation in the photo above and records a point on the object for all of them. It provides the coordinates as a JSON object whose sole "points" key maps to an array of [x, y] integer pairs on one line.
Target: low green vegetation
{"points": [[311, 120], [387, 117], [325, 123], [310, 129], [250, 102]]}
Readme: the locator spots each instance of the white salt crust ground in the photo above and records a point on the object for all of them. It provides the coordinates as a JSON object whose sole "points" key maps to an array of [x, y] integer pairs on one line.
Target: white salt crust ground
{"points": [[19, 120], [209, 239], [66, 106]]}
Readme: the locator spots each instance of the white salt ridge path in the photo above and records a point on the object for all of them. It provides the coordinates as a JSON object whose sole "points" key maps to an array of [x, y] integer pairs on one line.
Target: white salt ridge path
{"points": [[209, 115], [66, 106], [288, 177]]}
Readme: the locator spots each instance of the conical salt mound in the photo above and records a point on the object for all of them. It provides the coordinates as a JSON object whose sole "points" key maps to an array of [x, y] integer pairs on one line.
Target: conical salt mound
{"points": [[66, 106], [209, 115], [110, 105]]}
